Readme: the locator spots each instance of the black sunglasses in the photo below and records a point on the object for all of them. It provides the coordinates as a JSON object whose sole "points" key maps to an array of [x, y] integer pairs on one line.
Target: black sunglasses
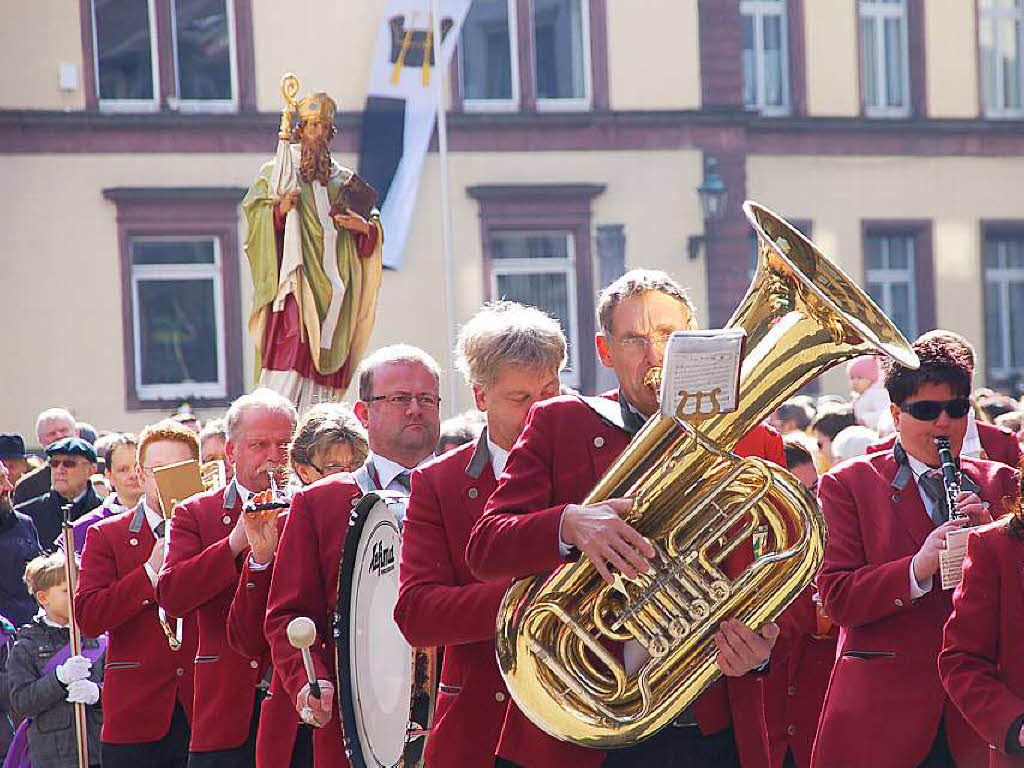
{"points": [[929, 410]]}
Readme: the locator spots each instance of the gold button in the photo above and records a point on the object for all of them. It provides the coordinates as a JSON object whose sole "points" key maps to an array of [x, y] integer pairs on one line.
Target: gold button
{"points": [[499, 696], [254, 664], [226, 519], [898, 603], [791, 730], [133, 542], [598, 442], [791, 690], [473, 493], [249, 585], [179, 671]]}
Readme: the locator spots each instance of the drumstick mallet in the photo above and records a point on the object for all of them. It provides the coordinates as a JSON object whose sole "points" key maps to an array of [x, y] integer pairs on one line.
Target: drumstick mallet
{"points": [[302, 634]]}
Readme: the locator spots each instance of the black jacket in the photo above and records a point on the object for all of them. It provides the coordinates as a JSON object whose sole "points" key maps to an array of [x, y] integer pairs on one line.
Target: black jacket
{"points": [[35, 483], [19, 543], [51, 737], [45, 512]]}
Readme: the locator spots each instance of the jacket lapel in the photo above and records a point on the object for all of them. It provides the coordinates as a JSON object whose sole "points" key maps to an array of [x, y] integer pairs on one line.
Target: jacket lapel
{"points": [[906, 498]]}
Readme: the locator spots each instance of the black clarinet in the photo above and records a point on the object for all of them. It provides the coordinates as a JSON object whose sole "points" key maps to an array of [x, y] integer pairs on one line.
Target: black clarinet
{"points": [[950, 477]]}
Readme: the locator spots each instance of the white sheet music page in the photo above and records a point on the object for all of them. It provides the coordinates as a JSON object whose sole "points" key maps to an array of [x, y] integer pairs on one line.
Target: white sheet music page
{"points": [[703, 366]]}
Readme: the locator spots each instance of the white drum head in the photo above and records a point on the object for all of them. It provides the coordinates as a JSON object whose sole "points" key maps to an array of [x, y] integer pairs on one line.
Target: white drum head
{"points": [[381, 673]]}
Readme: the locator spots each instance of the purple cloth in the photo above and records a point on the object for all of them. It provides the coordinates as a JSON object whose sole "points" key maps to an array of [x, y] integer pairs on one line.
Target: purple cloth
{"points": [[18, 755], [109, 508]]}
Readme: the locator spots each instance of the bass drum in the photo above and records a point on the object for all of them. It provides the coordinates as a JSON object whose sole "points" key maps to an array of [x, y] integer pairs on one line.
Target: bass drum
{"points": [[386, 688]]}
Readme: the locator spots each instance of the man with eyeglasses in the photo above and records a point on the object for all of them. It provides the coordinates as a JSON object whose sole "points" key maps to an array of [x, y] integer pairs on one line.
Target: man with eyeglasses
{"points": [[72, 462], [207, 549], [535, 521], [888, 519], [52, 425], [399, 404], [147, 686]]}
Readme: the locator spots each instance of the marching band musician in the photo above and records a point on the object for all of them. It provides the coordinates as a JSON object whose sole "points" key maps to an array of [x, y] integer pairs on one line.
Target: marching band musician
{"points": [[327, 440], [205, 555], [147, 691], [888, 519], [510, 356], [533, 521], [399, 402], [981, 661]]}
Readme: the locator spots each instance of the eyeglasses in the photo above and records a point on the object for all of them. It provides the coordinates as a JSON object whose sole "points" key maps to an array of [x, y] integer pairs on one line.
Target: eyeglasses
{"points": [[638, 343], [404, 400], [929, 410], [332, 469], [66, 463]]}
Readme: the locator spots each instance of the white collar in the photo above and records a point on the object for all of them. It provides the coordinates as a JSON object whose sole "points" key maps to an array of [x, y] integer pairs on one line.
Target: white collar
{"points": [[388, 470], [244, 493], [972, 440], [41, 615], [152, 517], [918, 467], [499, 456]]}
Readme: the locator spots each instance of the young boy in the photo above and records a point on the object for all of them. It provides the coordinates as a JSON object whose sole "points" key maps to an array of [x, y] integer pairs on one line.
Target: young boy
{"points": [[46, 680]]}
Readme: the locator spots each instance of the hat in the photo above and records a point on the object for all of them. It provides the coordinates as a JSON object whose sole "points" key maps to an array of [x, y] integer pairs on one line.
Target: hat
{"points": [[12, 446], [318, 107], [865, 367], [72, 446]]}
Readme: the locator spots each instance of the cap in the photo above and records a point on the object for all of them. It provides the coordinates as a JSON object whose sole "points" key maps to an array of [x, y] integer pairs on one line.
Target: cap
{"points": [[72, 446]]}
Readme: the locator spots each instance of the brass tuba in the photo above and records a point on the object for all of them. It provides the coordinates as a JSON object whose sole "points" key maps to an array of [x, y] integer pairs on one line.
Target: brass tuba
{"points": [[697, 503]]}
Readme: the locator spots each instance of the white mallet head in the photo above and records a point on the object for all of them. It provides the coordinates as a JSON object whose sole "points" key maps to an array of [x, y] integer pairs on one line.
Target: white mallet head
{"points": [[301, 632]]}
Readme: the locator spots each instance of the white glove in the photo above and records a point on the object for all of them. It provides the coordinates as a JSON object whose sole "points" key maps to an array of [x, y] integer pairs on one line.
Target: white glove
{"points": [[83, 692], [75, 668]]}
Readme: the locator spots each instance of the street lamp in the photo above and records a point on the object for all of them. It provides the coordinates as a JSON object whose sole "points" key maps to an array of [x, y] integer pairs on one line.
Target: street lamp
{"points": [[713, 196]]}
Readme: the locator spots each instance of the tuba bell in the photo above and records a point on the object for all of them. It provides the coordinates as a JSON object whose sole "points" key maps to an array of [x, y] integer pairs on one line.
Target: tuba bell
{"points": [[697, 503]]}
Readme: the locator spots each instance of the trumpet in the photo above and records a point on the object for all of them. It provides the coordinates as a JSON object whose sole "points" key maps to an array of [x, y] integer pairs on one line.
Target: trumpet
{"points": [[271, 502]]}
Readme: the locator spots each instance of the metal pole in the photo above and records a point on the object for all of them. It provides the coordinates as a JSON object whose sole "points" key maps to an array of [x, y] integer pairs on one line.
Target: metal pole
{"points": [[446, 214]]}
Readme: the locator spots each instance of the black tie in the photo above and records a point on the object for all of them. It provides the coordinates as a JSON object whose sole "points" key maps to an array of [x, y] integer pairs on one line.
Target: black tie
{"points": [[158, 529], [403, 480], [933, 487], [632, 421]]}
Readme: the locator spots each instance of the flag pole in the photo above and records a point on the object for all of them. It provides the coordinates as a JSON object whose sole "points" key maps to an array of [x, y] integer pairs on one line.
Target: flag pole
{"points": [[446, 214]]}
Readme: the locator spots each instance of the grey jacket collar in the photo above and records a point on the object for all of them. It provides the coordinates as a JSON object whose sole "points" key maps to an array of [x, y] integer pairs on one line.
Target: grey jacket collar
{"points": [[904, 474], [481, 457]]}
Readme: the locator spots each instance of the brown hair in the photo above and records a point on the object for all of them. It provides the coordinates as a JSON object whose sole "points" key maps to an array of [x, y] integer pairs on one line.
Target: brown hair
{"points": [[634, 283], [168, 430], [946, 358], [45, 571], [327, 424]]}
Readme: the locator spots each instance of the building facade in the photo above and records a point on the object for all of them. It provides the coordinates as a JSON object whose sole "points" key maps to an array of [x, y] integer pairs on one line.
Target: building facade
{"points": [[891, 131]]}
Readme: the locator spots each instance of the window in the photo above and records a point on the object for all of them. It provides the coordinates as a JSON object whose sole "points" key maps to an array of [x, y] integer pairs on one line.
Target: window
{"points": [[1004, 307], [1001, 48], [765, 52], [132, 39], [561, 53], [179, 318], [538, 268], [885, 68], [891, 280], [182, 328], [487, 56]]}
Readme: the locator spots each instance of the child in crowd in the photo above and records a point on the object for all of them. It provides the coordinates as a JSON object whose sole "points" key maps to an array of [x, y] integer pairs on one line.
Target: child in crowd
{"points": [[46, 680]]}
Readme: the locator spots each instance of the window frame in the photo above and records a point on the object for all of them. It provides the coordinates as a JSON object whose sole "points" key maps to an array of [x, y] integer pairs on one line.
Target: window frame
{"points": [[127, 105], [886, 277], [994, 16], [880, 12], [920, 231], [1005, 230], [532, 266], [546, 208], [205, 106], [759, 9], [495, 105], [573, 104], [180, 214]]}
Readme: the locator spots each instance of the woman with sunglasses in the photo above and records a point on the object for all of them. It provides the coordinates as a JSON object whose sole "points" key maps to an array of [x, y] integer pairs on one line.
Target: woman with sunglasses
{"points": [[328, 440], [981, 663], [887, 521]]}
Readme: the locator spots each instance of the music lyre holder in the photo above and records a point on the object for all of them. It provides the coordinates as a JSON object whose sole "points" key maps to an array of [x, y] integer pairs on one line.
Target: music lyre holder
{"points": [[698, 398]]}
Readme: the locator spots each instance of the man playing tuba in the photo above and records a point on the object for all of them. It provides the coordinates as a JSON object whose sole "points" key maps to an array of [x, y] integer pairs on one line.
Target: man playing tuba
{"points": [[314, 249]]}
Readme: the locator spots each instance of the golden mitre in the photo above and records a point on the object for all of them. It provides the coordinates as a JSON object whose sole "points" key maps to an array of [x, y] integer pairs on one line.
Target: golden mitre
{"points": [[317, 107]]}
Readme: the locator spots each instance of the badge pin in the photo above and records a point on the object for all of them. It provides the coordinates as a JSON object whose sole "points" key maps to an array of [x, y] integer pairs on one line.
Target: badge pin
{"points": [[133, 542], [226, 519], [473, 493]]}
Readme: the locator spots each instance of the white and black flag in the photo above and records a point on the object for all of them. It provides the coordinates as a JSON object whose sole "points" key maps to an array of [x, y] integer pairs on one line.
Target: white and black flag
{"points": [[401, 107]]}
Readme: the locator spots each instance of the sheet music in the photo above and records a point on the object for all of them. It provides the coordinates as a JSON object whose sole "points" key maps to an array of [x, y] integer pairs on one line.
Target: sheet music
{"points": [[705, 363], [951, 559]]}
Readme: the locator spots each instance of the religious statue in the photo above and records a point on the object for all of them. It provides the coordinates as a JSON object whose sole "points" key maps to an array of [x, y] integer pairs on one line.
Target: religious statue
{"points": [[314, 249]]}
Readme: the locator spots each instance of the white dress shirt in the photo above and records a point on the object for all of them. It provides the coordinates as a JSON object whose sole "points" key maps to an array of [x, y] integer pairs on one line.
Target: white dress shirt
{"points": [[387, 471], [499, 457], [153, 519], [919, 468]]}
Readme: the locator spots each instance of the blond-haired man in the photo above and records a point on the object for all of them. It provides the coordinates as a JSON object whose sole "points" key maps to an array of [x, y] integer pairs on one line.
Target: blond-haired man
{"points": [[511, 356], [147, 697]]}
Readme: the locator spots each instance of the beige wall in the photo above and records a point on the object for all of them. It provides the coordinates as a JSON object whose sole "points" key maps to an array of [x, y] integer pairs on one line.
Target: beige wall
{"points": [[74, 358], [830, 34], [35, 39], [956, 193], [653, 56], [951, 51]]}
